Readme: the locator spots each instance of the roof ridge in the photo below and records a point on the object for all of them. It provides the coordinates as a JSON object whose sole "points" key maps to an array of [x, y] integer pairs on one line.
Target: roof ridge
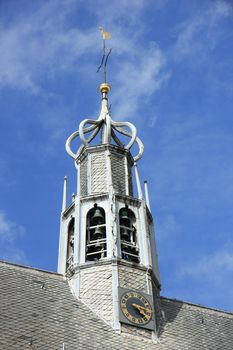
{"points": [[4, 262], [197, 305]]}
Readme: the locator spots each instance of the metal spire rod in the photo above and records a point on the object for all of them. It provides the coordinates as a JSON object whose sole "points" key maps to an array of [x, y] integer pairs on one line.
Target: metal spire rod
{"points": [[105, 65], [104, 60], [138, 183], [147, 195], [64, 194]]}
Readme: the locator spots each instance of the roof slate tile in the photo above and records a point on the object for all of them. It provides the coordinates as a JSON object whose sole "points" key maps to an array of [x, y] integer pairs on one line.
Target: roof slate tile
{"points": [[39, 312]]}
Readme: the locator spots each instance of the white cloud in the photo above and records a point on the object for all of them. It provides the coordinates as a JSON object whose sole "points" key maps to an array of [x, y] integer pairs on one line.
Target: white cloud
{"points": [[138, 79], [40, 49], [223, 8], [213, 267], [115, 10], [204, 279], [201, 32], [9, 233], [39, 46]]}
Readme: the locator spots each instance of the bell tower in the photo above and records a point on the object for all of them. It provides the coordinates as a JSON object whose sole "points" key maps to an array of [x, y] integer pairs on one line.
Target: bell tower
{"points": [[107, 245]]}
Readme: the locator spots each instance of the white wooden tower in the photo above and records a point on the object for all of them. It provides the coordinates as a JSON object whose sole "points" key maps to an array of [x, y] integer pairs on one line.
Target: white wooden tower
{"points": [[107, 239]]}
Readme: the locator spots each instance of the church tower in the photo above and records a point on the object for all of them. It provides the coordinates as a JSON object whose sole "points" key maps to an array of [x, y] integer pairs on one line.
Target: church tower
{"points": [[107, 245]]}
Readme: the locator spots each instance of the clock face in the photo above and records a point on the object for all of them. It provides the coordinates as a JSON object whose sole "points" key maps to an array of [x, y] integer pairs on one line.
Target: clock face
{"points": [[136, 308]]}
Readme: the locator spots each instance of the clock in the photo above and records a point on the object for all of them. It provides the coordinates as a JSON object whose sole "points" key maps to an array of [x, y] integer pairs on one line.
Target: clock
{"points": [[136, 308]]}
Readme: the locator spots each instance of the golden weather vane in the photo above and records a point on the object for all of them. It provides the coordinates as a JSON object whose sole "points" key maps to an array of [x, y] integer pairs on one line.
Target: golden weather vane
{"points": [[104, 60]]}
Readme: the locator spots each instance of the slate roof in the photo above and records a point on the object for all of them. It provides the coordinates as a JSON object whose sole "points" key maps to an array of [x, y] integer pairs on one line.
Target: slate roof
{"points": [[38, 311]]}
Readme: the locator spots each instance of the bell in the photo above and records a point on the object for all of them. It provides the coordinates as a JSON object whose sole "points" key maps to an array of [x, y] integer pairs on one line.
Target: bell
{"points": [[97, 217], [125, 249], [98, 233], [99, 245], [124, 218], [125, 234]]}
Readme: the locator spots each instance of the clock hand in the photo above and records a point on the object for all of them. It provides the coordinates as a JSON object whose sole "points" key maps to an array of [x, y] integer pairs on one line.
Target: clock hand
{"points": [[140, 308]]}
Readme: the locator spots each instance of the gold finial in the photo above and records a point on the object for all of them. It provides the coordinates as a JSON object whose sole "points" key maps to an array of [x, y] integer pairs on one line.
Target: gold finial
{"points": [[104, 60], [104, 88]]}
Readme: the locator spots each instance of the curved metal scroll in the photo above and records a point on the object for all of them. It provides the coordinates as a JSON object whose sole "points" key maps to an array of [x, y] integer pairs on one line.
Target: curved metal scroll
{"points": [[83, 131], [117, 126], [76, 134], [137, 140]]}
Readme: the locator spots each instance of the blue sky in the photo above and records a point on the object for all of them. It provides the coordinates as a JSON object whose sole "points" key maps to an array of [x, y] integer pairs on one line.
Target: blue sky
{"points": [[171, 72]]}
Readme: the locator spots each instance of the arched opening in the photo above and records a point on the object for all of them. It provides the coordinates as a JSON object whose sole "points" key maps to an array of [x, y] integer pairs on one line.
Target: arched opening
{"points": [[70, 245], [96, 245], [128, 234]]}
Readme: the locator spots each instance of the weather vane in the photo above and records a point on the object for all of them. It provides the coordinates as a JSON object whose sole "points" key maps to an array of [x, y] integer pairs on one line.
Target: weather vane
{"points": [[104, 61]]}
